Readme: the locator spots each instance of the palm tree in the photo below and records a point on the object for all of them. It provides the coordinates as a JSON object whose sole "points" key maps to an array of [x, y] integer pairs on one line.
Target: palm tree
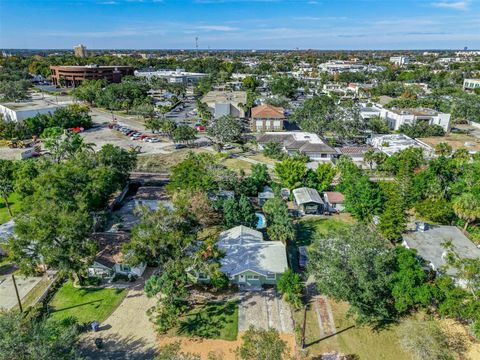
{"points": [[467, 208]]}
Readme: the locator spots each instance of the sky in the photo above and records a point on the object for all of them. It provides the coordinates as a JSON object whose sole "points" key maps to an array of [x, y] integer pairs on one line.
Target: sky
{"points": [[240, 24]]}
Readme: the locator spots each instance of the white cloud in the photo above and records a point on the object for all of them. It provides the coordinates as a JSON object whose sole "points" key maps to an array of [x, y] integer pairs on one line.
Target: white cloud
{"points": [[216, 28], [455, 5]]}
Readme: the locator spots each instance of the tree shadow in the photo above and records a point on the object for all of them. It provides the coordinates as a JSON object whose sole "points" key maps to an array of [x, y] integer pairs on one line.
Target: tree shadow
{"points": [[78, 305], [116, 347], [208, 321]]}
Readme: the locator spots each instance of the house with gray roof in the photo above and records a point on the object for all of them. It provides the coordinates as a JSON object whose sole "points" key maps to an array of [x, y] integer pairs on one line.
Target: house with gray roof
{"points": [[308, 201], [249, 260], [429, 242], [297, 142]]}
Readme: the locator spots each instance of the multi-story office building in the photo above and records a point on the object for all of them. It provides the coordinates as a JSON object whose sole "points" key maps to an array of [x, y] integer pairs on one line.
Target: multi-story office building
{"points": [[80, 51], [74, 75]]}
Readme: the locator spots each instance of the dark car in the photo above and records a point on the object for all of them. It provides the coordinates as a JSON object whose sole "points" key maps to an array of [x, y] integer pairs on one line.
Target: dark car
{"points": [[180, 146]]}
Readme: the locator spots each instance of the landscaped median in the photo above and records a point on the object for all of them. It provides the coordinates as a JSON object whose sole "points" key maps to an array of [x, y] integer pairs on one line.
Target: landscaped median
{"points": [[85, 304]]}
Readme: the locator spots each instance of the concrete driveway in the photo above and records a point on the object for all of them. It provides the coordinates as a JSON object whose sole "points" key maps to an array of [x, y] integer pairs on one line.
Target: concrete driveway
{"points": [[264, 309], [8, 298]]}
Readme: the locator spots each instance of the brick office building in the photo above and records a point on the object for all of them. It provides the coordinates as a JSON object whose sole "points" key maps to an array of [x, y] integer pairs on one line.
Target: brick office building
{"points": [[71, 76]]}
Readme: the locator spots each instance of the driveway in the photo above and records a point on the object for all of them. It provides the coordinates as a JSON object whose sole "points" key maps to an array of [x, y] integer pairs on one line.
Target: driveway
{"points": [[264, 309], [128, 333], [8, 298]]}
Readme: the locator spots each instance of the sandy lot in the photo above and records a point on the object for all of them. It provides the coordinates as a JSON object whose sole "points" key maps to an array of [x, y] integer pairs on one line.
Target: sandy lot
{"points": [[226, 349]]}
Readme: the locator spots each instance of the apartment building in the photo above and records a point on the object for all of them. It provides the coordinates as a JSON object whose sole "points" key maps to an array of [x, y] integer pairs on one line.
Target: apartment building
{"points": [[399, 60], [471, 84], [267, 118], [398, 117], [178, 76]]}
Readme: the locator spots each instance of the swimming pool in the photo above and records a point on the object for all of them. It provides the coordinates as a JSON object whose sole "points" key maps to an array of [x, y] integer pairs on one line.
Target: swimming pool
{"points": [[261, 221]]}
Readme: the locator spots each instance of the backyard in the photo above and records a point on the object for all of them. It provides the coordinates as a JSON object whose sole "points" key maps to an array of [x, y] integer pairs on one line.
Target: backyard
{"points": [[86, 304], [14, 202], [310, 226], [217, 320]]}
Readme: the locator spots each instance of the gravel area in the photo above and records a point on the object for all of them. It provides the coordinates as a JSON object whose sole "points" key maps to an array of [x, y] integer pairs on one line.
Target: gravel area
{"points": [[264, 309], [128, 333]]}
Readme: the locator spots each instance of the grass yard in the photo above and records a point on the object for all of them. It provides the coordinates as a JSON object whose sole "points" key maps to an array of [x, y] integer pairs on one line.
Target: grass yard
{"points": [[14, 202], [161, 163], [308, 227], [237, 164], [210, 321], [350, 339], [86, 304], [264, 159]]}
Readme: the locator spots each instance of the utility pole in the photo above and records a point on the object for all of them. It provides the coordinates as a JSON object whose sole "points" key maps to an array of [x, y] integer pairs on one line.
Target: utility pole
{"points": [[304, 326], [196, 45], [16, 292]]}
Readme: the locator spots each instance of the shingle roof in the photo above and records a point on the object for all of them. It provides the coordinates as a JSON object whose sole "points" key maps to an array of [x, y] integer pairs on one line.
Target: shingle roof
{"points": [[307, 195], [268, 111], [429, 245], [334, 197], [245, 250]]}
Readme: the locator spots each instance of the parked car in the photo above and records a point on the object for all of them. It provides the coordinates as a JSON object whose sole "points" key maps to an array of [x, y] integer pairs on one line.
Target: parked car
{"points": [[180, 146]]}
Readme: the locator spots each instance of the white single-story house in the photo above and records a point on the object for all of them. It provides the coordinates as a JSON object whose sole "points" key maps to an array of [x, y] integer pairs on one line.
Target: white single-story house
{"points": [[109, 259], [308, 201], [250, 261], [334, 201]]}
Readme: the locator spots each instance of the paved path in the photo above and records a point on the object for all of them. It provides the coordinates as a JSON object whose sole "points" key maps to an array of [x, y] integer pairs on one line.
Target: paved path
{"points": [[8, 299], [264, 309], [127, 333], [324, 314]]}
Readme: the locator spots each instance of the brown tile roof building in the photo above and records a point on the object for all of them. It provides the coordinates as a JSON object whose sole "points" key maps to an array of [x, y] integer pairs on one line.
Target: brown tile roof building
{"points": [[267, 118]]}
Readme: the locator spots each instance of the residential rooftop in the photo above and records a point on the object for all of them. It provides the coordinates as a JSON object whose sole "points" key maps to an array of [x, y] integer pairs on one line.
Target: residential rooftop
{"points": [[217, 96]]}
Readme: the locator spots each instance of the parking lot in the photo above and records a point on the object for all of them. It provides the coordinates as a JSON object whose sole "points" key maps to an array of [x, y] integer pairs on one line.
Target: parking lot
{"points": [[264, 309]]}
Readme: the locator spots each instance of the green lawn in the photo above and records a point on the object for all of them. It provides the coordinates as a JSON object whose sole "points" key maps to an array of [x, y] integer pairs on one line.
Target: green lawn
{"points": [[14, 202], [362, 341], [86, 304], [210, 321], [309, 227]]}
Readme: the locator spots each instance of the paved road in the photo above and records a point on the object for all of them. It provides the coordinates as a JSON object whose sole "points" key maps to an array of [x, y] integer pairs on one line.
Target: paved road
{"points": [[8, 299]]}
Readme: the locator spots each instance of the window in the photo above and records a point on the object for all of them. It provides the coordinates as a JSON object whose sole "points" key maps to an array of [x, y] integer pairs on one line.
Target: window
{"points": [[253, 277], [271, 276]]}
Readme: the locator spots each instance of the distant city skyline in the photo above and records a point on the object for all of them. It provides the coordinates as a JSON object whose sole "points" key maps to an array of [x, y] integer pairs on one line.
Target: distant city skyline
{"points": [[240, 24]]}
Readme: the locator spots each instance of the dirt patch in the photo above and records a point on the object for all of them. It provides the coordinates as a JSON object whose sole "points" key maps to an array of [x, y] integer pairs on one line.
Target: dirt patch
{"points": [[224, 348], [459, 340]]}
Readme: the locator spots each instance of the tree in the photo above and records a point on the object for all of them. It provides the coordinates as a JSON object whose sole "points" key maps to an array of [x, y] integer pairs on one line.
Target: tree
{"points": [[316, 115], [14, 90], [324, 175], [424, 340], [153, 125], [280, 225], [262, 345], [409, 283], [393, 219], [6, 182], [23, 338], [363, 198], [467, 208], [285, 86], [89, 90], [378, 125], [159, 236], [291, 172], [239, 212], [421, 129], [290, 286], [443, 149], [193, 173], [53, 234], [260, 176], [250, 83], [146, 110], [273, 149], [435, 209], [184, 133], [224, 130], [167, 127], [171, 286], [355, 265], [196, 205]]}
